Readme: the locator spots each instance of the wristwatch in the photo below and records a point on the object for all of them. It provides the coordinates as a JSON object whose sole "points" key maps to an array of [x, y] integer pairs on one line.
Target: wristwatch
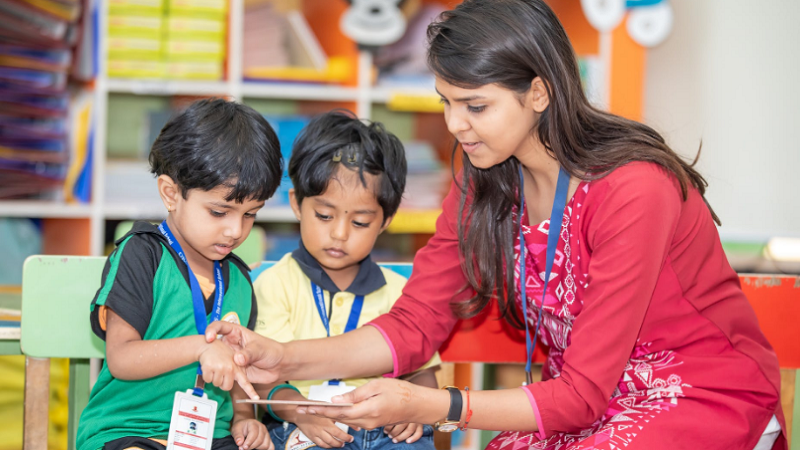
{"points": [[450, 423]]}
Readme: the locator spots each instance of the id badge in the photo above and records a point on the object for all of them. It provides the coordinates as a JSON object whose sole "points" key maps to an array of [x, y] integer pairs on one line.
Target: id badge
{"points": [[321, 392], [192, 424]]}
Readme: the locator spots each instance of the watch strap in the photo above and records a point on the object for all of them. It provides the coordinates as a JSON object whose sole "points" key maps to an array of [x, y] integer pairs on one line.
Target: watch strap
{"points": [[456, 404]]}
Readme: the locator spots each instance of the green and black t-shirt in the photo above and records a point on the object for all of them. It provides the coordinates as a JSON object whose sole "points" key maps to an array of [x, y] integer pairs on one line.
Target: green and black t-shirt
{"points": [[147, 285]]}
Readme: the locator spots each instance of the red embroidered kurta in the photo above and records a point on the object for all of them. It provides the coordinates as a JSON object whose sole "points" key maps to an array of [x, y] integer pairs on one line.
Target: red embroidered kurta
{"points": [[652, 342]]}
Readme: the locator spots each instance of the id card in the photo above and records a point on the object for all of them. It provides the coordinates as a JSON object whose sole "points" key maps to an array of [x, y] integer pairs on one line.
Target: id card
{"points": [[192, 424]]}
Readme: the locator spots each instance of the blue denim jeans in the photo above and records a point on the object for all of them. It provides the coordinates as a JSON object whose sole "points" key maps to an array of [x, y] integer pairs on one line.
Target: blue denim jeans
{"points": [[364, 440]]}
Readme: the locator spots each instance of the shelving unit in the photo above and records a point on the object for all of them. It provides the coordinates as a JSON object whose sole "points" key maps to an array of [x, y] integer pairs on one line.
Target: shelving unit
{"points": [[358, 97], [88, 221], [45, 209]]}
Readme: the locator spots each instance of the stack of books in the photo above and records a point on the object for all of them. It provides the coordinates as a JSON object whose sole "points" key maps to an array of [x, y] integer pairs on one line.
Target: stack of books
{"points": [[279, 45], [178, 39], [46, 52]]}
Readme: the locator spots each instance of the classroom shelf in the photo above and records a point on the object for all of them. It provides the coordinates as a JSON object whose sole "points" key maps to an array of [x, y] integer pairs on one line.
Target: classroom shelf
{"points": [[166, 87], [298, 91], [44, 209], [383, 94], [408, 106], [153, 210], [410, 221]]}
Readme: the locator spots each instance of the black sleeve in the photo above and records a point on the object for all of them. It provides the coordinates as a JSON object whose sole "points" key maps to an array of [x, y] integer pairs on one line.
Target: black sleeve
{"points": [[253, 312], [235, 261], [127, 284]]}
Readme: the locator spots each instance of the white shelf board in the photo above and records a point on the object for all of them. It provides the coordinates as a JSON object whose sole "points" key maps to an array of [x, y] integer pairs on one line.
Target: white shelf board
{"points": [[149, 211], [299, 91], [383, 94], [167, 87], [44, 209]]}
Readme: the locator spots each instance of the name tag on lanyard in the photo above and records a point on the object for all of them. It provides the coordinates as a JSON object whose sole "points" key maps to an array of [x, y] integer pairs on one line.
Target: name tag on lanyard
{"points": [[192, 424], [193, 413]]}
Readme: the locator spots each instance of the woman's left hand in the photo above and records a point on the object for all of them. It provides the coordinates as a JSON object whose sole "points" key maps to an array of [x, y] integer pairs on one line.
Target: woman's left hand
{"points": [[381, 402]]}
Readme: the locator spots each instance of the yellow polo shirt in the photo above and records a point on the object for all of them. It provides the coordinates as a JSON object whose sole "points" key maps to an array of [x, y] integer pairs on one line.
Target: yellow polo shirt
{"points": [[286, 308]]}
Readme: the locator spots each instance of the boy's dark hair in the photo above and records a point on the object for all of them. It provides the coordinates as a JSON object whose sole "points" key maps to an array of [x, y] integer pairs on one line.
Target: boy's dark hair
{"points": [[216, 142], [340, 138]]}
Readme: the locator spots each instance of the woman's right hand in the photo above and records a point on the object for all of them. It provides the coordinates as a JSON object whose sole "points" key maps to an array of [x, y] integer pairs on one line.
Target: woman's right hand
{"points": [[260, 356], [382, 402]]}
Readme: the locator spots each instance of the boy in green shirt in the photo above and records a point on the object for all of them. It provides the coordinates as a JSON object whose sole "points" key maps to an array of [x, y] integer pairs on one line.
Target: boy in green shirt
{"points": [[216, 164]]}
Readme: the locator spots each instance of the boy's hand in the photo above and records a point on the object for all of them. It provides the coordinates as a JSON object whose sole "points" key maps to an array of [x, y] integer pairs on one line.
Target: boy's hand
{"points": [[408, 432], [219, 369], [323, 431], [260, 356], [251, 434]]}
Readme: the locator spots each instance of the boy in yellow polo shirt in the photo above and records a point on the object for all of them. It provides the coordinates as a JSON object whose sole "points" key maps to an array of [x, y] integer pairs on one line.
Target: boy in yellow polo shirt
{"points": [[348, 181]]}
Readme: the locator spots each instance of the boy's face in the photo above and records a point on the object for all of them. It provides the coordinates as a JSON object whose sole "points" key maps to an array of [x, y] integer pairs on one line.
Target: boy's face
{"points": [[208, 226], [339, 227]]}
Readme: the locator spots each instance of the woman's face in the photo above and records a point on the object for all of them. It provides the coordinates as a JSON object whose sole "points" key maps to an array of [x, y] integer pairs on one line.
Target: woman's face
{"points": [[491, 123]]}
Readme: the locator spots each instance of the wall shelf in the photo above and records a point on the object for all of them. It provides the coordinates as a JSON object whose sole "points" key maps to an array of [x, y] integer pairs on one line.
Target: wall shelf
{"points": [[41, 209], [166, 87]]}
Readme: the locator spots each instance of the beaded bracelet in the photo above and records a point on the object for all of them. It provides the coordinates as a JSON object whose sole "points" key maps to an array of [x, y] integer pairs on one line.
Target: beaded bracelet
{"points": [[469, 411], [272, 392]]}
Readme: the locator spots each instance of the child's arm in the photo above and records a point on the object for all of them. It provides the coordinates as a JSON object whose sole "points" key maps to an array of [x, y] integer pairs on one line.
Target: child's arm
{"points": [[247, 431], [424, 377], [412, 432], [131, 358]]}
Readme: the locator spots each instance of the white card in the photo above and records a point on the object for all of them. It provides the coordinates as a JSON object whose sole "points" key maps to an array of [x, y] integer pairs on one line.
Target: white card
{"points": [[192, 424], [324, 392]]}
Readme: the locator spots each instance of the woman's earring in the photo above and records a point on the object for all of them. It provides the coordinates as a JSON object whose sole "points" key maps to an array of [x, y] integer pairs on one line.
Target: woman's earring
{"points": [[169, 208]]}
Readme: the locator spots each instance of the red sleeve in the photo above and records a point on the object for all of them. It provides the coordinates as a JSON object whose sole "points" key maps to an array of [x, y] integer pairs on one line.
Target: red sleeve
{"points": [[631, 218], [421, 319]]}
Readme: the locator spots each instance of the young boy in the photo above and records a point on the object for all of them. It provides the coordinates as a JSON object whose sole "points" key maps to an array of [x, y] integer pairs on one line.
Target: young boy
{"points": [[215, 165], [348, 181]]}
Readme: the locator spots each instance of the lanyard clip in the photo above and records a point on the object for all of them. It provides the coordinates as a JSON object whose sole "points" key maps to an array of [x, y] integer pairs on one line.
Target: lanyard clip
{"points": [[199, 384]]}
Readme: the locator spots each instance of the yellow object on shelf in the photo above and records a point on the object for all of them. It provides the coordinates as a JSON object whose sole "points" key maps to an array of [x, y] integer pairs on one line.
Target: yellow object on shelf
{"points": [[148, 27], [136, 7], [194, 70], [180, 49], [134, 47], [400, 101], [133, 68], [189, 27], [211, 9], [413, 221], [337, 70]]}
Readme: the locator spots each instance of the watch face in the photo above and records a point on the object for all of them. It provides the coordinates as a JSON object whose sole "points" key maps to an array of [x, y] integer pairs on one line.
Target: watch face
{"points": [[447, 427]]}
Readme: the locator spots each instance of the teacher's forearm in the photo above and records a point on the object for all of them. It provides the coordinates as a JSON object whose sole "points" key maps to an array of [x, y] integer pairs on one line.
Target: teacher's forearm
{"points": [[500, 410], [362, 352], [496, 410]]}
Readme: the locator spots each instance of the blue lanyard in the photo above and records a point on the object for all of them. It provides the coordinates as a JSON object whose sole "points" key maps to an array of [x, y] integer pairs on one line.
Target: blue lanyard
{"points": [[556, 218], [352, 321], [198, 301], [355, 311]]}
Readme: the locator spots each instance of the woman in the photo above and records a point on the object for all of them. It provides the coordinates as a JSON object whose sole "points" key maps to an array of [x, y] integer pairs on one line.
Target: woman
{"points": [[652, 342]]}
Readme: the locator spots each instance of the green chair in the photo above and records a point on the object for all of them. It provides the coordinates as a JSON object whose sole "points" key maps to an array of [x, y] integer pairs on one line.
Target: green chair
{"points": [[56, 293]]}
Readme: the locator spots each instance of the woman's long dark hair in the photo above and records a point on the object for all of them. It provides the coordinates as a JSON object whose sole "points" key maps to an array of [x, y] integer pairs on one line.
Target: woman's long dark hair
{"points": [[509, 43]]}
